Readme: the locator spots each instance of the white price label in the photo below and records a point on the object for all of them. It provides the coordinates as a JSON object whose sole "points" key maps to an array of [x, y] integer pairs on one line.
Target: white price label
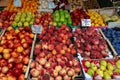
{"points": [[37, 29], [51, 5], [17, 3], [86, 22]]}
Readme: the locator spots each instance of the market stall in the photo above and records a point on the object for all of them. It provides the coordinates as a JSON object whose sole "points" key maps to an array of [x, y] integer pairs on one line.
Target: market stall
{"points": [[59, 40]]}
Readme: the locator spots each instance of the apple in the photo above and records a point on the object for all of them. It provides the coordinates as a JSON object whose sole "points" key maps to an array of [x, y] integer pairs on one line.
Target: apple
{"points": [[58, 78], [6, 55], [62, 72], [20, 49], [42, 61], [5, 69]]}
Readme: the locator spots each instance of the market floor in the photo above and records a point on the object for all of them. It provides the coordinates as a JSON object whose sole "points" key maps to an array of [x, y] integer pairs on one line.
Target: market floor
{"points": [[3, 2]]}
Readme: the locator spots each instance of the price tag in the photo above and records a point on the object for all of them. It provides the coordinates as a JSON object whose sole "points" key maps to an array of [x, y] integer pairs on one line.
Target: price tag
{"points": [[86, 22], [37, 29], [51, 5], [113, 24], [17, 3]]}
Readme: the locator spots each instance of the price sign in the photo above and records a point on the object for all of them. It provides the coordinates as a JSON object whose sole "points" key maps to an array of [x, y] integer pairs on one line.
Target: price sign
{"points": [[51, 5], [37, 29], [86, 22], [17, 3]]}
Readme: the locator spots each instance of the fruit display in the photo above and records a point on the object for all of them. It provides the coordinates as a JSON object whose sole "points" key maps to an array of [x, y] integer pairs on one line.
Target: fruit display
{"points": [[57, 43], [96, 19], [6, 18], [56, 68], [75, 4], [44, 18], [54, 55], [77, 15], [15, 47], [90, 43], [61, 17], [113, 18], [23, 19], [102, 69], [27, 5], [114, 36]]}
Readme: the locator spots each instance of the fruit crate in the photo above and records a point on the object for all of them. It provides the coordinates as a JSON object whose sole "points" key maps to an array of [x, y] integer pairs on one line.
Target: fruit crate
{"points": [[112, 35], [34, 57], [84, 53], [28, 76], [98, 69], [26, 65]]}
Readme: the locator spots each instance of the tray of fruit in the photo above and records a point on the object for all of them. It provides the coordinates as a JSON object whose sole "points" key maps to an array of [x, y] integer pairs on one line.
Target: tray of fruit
{"points": [[61, 17], [77, 15], [91, 44], [113, 35], [96, 19], [103, 69], [23, 19], [55, 55], [15, 47], [44, 18]]}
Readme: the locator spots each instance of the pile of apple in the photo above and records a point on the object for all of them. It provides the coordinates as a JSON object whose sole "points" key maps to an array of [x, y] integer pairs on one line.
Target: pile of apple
{"points": [[15, 47], [23, 19], [6, 18], [44, 18], [54, 41], [102, 69], [90, 43], [77, 15], [61, 17], [54, 55], [61, 68]]}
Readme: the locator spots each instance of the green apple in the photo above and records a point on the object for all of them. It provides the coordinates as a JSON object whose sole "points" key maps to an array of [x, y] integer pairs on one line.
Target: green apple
{"points": [[19, 24], [103, 62], [62, 19], [118, 64], [56, 19], [28, 19], [90, 72], [26, 24], [59, 23], [99, 72], [110, 66], [31, 23], [109, 72], [66, 12], [65, 22], [103, 68], [19, 13], [14, 24], [94, 68], [106, 76], [56, 13], [117, 70], [69, 21], [32, 19], [54, 24], [16, 19], [22, 20], [87, 64], [92, 65]]}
